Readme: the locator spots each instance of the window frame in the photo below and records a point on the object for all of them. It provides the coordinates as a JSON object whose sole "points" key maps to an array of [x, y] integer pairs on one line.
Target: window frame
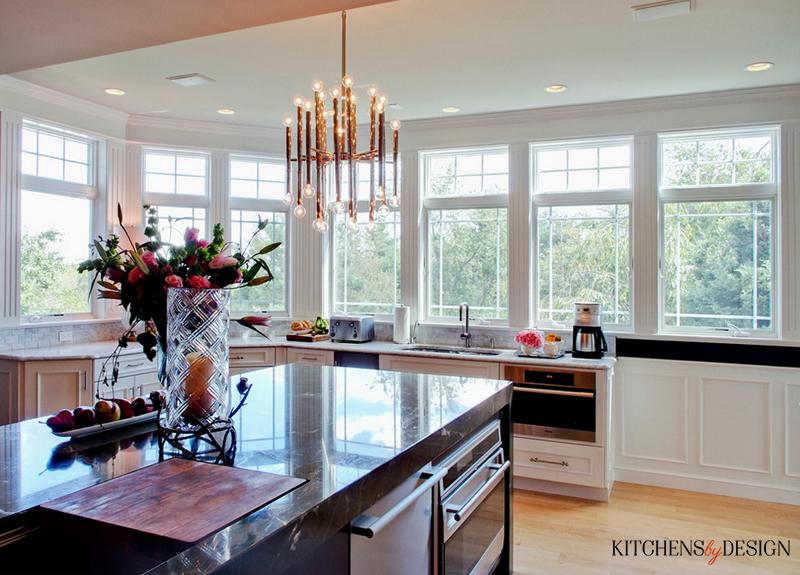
{"points": [[579, 198], [89, 191], [452, 203], [260, 205], [722, 193]]}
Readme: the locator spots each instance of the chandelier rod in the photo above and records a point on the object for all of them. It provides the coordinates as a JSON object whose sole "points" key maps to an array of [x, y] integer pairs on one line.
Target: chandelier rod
{"points": [[344, 43]]}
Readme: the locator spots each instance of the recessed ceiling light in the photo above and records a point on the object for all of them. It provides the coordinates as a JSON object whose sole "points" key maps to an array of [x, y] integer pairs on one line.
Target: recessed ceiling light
{"points": [[114, 91], [396, 106], [451, 109], [556, 88], [226, 111], [193, 79], [661, 9], [759, 66]]}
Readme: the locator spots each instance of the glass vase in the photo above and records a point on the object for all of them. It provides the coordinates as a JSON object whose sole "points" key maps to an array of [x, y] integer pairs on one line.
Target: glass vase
{"points": [[197, 381]]}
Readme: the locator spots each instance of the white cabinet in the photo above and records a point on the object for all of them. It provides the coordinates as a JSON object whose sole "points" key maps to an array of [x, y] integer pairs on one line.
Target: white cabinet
{"points": [[137, 376], [434, 366], [562, 462], [11, 392], [718, 428], [314, 356], [243, 359], [53, 385]]}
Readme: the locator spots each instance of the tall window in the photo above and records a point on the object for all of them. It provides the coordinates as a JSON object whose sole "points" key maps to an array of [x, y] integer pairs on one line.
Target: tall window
{"points": [[176, 184], [366, 264], [465, 201], [257, 186], [582, 193], [57, 204], [718, 191]]}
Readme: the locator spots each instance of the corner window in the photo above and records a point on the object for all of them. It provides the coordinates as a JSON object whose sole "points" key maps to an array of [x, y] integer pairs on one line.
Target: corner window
{"points": [[57, 204], [466, 210], [718, 194], [582, 195]]}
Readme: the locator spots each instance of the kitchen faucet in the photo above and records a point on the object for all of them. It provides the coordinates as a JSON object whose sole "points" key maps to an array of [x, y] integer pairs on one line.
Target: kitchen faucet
{"points": [[463, 315]]}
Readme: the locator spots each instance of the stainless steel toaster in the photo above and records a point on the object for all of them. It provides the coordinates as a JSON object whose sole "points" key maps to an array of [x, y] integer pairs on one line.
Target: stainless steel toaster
{"points": [[352, 328]]}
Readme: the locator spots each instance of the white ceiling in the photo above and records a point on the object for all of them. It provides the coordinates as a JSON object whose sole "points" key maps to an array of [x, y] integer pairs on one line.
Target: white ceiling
{"points": [[483, 56]]}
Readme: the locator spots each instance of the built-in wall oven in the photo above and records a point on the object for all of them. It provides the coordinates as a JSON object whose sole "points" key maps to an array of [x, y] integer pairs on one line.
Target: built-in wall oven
{"points": [[553, 403], [473, 504]]}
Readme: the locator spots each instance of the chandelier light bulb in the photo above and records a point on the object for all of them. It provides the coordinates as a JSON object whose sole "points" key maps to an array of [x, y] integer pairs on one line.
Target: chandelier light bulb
{"points": [[287, 121], [394, 202], [316, 85], [395, 125], [308, 190], [383, 211], [352, 225], [299, 211], [382, 99], [288, 198], [320, 225], [371, 226], [298, 101], [335, 92], [347, 81], [308, 105], [338, 207], [372, 91]]}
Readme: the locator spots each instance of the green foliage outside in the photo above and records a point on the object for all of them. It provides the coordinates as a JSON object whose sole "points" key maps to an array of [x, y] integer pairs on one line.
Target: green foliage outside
{"points": [[269, 296], [49, 285]]}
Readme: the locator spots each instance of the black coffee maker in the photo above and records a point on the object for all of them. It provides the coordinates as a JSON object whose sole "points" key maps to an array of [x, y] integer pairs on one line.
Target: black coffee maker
{"points": [[588, 340]]}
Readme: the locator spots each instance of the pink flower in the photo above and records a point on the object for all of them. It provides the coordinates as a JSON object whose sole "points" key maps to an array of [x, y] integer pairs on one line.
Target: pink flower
{"points": [[257, 320], [532, 338], [173, 281], [220, 261], [238, 276], [135, 275], [115, 274], [198, 282], [190, 235], [202, 244], [151, 261], [191, 260]]}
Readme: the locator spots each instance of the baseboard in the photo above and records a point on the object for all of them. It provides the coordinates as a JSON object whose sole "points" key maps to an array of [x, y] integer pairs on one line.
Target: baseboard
{"points": [[555, 488], [703, 485]]}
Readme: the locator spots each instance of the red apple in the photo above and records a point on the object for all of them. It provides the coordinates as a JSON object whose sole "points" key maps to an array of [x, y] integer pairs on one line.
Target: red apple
{"points": [[125, 408], [84, 416], [140, 405], [106, 411], [61, 421]]}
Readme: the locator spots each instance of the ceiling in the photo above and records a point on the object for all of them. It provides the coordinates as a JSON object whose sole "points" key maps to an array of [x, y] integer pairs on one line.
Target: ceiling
{"points": [[482, 56], [44, 32]]}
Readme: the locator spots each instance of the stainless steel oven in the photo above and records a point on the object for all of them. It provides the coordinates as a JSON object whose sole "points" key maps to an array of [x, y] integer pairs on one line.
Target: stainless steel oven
{"points": [[553, 403], [472, 509]]}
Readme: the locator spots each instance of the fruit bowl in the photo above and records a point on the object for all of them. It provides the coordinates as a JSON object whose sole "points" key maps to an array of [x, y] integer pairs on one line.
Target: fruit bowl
{"points": [[101, 427]]}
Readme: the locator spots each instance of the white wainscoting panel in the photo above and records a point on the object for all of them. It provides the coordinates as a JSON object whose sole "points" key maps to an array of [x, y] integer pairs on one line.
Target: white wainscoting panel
{"points": [[736, 424], [654, 416], [792, 433]]}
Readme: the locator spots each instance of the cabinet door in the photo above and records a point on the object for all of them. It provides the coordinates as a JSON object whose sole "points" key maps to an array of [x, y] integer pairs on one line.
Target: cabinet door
{"points": [[316, 356], [147, 382], [10, 405], [457, 367], [125, 388], [54, 385]]}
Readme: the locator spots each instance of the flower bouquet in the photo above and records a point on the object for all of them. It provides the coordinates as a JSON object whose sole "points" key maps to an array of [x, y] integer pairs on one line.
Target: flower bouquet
{"points": [[189, 284], [530, 341]]}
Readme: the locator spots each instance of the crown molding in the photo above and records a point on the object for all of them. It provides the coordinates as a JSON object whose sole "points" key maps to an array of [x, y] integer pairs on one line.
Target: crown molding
{"points": [[31, 90], [181, 125], [660, 103]]}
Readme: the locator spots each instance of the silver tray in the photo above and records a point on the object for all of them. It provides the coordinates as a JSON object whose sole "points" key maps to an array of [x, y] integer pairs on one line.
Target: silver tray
{"points": [[541, 355]]}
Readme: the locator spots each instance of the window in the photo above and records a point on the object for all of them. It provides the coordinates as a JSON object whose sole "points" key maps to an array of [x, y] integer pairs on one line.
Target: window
{"points": [[257, 186], [176, 185], [366, 264], [466, 199], [582, 193], [56, 216], [718, 195]]}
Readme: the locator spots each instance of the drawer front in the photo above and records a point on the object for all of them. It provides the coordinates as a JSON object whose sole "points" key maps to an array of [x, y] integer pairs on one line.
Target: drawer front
{"points": [[315, 356], [562, 462], [128, 365], [455, 367], [251, 357], [125, 388]]}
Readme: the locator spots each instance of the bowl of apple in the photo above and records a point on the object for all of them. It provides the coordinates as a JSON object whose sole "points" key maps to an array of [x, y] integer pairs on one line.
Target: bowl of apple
{"points": [[105, 415]]}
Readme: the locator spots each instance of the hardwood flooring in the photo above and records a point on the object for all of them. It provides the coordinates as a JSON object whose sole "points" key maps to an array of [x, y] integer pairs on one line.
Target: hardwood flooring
{"points": [[555, 534]]}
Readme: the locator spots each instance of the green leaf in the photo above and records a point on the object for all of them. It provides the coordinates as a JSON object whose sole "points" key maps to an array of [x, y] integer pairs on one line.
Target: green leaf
{"points": [[100, 251], [108, 285], [259, 281], [267, 249], [119, 213]]}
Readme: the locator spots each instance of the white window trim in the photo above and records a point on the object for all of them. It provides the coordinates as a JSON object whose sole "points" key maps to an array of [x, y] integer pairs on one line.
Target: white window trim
{"points": [[727, 192]]}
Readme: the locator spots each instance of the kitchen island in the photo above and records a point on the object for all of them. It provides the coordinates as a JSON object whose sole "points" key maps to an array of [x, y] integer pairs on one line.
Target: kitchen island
{"points": [[354, 435]]}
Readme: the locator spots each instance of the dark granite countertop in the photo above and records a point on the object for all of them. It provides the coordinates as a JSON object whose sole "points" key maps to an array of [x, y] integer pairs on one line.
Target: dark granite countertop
{"points": [[354, 434]]}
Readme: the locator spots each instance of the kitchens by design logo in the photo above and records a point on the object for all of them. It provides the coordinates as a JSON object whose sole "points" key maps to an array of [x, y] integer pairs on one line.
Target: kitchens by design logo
{"points": [[710, 549]]}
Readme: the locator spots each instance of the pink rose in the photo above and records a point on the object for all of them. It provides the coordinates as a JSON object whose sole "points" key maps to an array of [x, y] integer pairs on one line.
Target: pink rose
{"points": [[191, 260], [220, 261], [202, 244], [198, 282], [173, 281], [531, 338], [135, 275], [149, 258], [190, 235]]}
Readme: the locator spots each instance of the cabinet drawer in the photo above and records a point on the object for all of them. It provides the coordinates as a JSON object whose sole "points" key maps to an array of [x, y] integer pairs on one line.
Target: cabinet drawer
{"points": [[562, 462], [317, 356], [131, 364], [252, 357], [455, 367]]}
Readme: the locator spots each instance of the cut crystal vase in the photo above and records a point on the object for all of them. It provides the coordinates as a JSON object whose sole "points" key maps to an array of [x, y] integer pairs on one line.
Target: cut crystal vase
{"points": [[196, 370]]}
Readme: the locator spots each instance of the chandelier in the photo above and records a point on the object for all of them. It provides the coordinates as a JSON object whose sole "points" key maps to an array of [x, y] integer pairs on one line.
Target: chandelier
{"points": [[343, 153]]}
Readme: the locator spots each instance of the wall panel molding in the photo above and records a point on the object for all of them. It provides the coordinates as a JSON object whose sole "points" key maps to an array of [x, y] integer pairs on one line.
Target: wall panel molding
{"points": [[10, 234]]}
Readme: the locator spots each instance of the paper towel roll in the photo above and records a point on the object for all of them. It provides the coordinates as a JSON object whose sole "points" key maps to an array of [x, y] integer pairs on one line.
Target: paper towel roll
{"points": [[402, 324]]}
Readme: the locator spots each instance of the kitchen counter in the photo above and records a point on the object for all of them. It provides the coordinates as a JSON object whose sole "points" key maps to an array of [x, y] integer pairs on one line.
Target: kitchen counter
{"points": [[103, 349], [353, 434]]}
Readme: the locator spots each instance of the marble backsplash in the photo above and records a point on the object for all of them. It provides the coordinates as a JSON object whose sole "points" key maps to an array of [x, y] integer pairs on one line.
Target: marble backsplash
{"points": [[33, 336]]}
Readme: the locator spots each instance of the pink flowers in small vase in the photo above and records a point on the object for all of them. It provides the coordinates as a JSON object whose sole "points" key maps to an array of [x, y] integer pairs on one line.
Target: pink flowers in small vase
{"points": [[529, 341]]}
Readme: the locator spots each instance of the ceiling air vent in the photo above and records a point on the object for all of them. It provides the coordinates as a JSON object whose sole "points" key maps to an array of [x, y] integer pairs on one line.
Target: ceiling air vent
{"points": [[190, 79], [661, 9]]}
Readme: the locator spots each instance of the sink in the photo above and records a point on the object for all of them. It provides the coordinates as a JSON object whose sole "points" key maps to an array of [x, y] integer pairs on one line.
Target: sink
{"points": [[452, 350]]}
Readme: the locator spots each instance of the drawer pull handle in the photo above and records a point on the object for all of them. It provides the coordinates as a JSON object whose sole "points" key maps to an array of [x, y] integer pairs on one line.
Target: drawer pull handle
{"points": [[129, 365], [238, 357], [562, 463]]}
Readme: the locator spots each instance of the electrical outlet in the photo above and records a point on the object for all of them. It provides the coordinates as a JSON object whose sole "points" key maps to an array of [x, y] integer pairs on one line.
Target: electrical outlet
{"points": [[65, 336]]}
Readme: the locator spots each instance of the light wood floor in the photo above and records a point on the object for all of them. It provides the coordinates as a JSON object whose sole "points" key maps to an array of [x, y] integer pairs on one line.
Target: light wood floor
{"points": [[555, 535]]}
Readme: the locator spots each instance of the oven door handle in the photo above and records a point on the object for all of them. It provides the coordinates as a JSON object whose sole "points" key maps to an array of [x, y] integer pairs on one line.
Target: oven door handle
{"points": [[369, 526], [554, 392], [465, 509]]}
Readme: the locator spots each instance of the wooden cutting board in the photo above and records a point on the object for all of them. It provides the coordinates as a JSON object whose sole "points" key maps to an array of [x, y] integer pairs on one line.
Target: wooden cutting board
{"points": [[307, 337], [177, 499]]}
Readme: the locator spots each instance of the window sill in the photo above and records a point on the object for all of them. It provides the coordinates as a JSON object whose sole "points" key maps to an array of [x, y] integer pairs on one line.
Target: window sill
{"points": [[766, 339], [64, 322]]}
